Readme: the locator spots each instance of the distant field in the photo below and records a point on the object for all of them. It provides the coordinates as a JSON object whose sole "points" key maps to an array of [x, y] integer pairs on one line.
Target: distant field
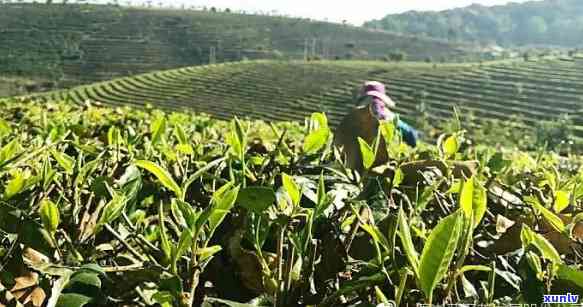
{"points": [[74, 44], [274, 90]]}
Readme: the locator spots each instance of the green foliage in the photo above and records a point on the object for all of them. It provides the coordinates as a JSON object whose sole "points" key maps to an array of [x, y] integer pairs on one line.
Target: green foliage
{"points": [[49, 215], [549, 22], [368, 153], [251, 210], [438, 252]]}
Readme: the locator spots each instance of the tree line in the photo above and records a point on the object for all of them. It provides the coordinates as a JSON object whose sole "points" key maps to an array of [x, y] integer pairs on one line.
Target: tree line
{"points": [[549, 22]]}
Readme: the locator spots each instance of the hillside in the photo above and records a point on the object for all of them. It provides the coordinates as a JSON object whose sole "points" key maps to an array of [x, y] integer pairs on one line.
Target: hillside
{"points": [[73, 44], [549, 22], [532, 91]]}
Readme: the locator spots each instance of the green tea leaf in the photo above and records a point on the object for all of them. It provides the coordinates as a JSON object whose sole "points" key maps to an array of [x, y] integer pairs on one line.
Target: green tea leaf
{"points": [[185, 149], [368, 154], [323, 202], [562, 199], [292, 188], [85, 171], [467, 197], [158, 129], [256, 199], [468, 268], [49, 216], [162, 175], [64, 161], [113, 136], [9, 150], [222, 202], [480, 203], [187, 212], [547, 250], [180, 135], [112, 210], [388, 131], [73, 300], [207, 252], [164, 298], [573, 275], [15, 185], [381, 298], [236, 147], [184, 244], [553, 219], [86, 278], [320, 119], [438, 252], [5, 128], [407, 241], [398, 178], [316, 140], [450, 146], [240, 133], [473, 200], [376, 235], [164, 242]]}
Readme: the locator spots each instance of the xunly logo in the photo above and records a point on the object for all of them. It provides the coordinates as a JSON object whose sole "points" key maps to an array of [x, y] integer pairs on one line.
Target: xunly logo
{"points": [[560, 298]]}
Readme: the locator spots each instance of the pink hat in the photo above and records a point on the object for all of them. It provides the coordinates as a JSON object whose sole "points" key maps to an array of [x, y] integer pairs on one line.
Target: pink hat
{"points": [[377, 90]]}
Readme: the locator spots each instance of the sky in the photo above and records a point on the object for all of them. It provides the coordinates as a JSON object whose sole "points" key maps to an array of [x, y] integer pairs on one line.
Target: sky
{"points": [[355, 12]]}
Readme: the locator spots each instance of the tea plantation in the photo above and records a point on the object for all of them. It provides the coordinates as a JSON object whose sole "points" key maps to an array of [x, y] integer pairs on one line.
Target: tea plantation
{"points": [[272, 90], [73, 44]]}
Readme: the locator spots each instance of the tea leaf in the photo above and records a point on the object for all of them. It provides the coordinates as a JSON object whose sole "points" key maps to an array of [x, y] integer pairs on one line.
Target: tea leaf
{"points": [[291, 188], [320, 119], [112, 210], [256, 199], [388, 131], [162, 175], [49, 215], [15, 185], [368, 154], [316, 140], [529, 237], [184, 244], [164, 242], [467, 197], [158, 129], [562, 199], [223, 200], [553, 220], [64, 161], [450, 146], [207, 252], [438, 252], [573, 275], [405, 235]]}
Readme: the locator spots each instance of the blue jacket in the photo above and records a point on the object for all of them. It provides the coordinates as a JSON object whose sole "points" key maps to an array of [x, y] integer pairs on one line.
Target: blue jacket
{"points": [[410, 135]]}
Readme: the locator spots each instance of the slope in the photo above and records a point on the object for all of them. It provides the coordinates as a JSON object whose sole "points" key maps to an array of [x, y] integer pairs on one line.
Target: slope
{"points": [[74, 44], [272, 90]]}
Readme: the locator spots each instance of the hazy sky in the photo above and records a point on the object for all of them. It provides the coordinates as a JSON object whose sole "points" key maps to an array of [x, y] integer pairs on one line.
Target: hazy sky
{"points": [[355, 11]]}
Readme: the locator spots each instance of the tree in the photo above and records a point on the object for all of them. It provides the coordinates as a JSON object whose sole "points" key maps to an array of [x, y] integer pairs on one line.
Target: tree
{"points": [[398, 56]]}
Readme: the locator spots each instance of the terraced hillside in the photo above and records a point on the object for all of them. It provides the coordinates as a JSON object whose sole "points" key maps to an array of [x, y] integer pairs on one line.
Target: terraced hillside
{"points": [[273, 90], [75, 44]]}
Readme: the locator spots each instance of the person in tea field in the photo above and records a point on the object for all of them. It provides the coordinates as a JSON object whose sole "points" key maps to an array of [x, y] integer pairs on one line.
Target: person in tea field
{"points": [[373, 105]]}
